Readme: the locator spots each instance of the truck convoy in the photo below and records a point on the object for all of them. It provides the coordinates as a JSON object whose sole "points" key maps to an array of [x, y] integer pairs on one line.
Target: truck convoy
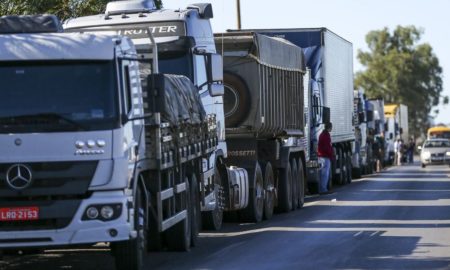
{"points": [[120, 136], [329, 96]]}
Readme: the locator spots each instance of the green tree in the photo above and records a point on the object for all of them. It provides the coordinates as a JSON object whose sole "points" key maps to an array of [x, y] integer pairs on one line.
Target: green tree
{"points": [[401, 70], [64, 9]]}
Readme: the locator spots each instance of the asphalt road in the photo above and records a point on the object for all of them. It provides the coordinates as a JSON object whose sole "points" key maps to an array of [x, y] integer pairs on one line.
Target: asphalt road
{"points": [[399, 219]]}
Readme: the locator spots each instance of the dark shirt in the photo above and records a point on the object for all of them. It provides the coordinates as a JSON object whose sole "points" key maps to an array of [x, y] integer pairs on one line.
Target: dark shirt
{"points": [[325, 148]]}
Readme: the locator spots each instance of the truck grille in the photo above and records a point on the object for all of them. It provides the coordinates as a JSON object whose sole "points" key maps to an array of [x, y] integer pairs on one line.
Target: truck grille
{"points": [[51, 179], [57, 189]]}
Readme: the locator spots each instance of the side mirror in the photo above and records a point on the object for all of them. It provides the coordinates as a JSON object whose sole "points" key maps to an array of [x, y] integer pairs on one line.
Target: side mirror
{"points": [[215, 74], [419, 148], [216, 89], [326, 115]]}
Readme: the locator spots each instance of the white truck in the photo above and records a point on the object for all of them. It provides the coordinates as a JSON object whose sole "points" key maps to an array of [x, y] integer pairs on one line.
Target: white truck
{"points": [[89, 154], [396, 127]]}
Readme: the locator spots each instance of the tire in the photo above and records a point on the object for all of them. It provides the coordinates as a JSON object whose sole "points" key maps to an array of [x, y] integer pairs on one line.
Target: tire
{"points": [[349, 169], [341, 165], [269, 190], [337, 177], [178, 236], [302, 184], [129, 255], [295, 185], [285, 189], [236, 99], [196, 217], [357, 172], [423, 165], [212, 220], [255, 208]]}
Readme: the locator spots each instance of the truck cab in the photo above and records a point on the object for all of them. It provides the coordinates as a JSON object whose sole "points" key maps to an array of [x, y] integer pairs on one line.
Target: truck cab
{"points": [[68, 149]]}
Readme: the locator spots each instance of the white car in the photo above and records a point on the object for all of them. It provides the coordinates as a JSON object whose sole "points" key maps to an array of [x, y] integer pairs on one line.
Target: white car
{"points": [[435, 152]]}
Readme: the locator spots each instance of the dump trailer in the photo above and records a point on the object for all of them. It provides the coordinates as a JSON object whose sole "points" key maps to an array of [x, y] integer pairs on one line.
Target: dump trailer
{"points": [[330, 60], [92, 154], [263, 102]]}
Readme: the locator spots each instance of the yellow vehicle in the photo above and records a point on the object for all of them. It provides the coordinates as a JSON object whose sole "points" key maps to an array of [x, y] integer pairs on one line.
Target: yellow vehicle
{"points": [[438, 132]]}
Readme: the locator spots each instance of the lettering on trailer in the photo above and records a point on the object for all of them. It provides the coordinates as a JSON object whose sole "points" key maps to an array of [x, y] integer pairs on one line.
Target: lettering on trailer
{"points": [[242, 153], [136, 31]]}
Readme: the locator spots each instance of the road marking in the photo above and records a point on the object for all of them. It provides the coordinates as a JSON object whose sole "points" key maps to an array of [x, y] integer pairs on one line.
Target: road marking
{"points": [[439, 202]]}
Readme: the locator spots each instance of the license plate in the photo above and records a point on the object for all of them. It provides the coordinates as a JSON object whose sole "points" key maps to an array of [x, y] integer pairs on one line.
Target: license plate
{"points": [[19, 213]]}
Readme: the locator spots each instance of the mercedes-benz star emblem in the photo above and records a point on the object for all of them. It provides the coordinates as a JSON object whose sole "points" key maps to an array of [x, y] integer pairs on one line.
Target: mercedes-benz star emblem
{"points": [[19, 176]]}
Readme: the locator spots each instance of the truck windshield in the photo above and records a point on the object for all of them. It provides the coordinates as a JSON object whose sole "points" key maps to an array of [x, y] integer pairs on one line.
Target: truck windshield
{"points": [[57, 96]]}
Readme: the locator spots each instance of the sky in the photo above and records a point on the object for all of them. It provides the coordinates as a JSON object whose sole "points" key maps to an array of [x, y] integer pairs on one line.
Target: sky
{"points": [[351, 19]]}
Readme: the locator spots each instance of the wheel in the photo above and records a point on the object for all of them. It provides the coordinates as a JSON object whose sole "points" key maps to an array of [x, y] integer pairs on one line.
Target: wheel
{"points": [[236, 100], [295, 185], [349, 169], [255, 208], [344, 168], [284, 189], [423, 165], [178, 236], [357, 172], [269, 190], [196, 218], [301, 174], [129, 255], [212, 220], [337, 178]]}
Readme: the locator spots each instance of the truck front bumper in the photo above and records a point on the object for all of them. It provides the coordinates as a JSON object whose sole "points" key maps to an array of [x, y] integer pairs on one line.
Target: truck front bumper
{"points": [[79, 231]]}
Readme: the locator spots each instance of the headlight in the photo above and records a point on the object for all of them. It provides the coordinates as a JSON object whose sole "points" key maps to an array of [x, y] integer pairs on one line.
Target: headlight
{"points": [[447, 154], [426, 155]]}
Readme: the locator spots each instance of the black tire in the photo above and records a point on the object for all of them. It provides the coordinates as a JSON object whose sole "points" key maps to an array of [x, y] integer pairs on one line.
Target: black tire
{"points": [[129, 255], [302, 184], [237, 100], [284, 189], [269, 190], [357, 172], [344, 168], [212, 220], [337, 177], [178, 236], [349, 169], [255, 208], [295, 185], [196, 216], [423, 165]]}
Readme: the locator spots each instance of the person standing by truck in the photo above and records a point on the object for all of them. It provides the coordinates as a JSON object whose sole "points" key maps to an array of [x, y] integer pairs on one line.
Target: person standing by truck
{"points": [[325, 153]]}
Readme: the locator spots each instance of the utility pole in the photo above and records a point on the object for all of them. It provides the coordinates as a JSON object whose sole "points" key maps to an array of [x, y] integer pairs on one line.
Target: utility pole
{"points": [[238, 7]]}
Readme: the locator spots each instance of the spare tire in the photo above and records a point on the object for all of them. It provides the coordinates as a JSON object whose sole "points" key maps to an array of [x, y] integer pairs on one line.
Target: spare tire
{"points": [[236, 100]]}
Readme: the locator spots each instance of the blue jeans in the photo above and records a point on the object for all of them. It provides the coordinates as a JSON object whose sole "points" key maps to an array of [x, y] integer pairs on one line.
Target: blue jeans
{"points": [[324, 175]]}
